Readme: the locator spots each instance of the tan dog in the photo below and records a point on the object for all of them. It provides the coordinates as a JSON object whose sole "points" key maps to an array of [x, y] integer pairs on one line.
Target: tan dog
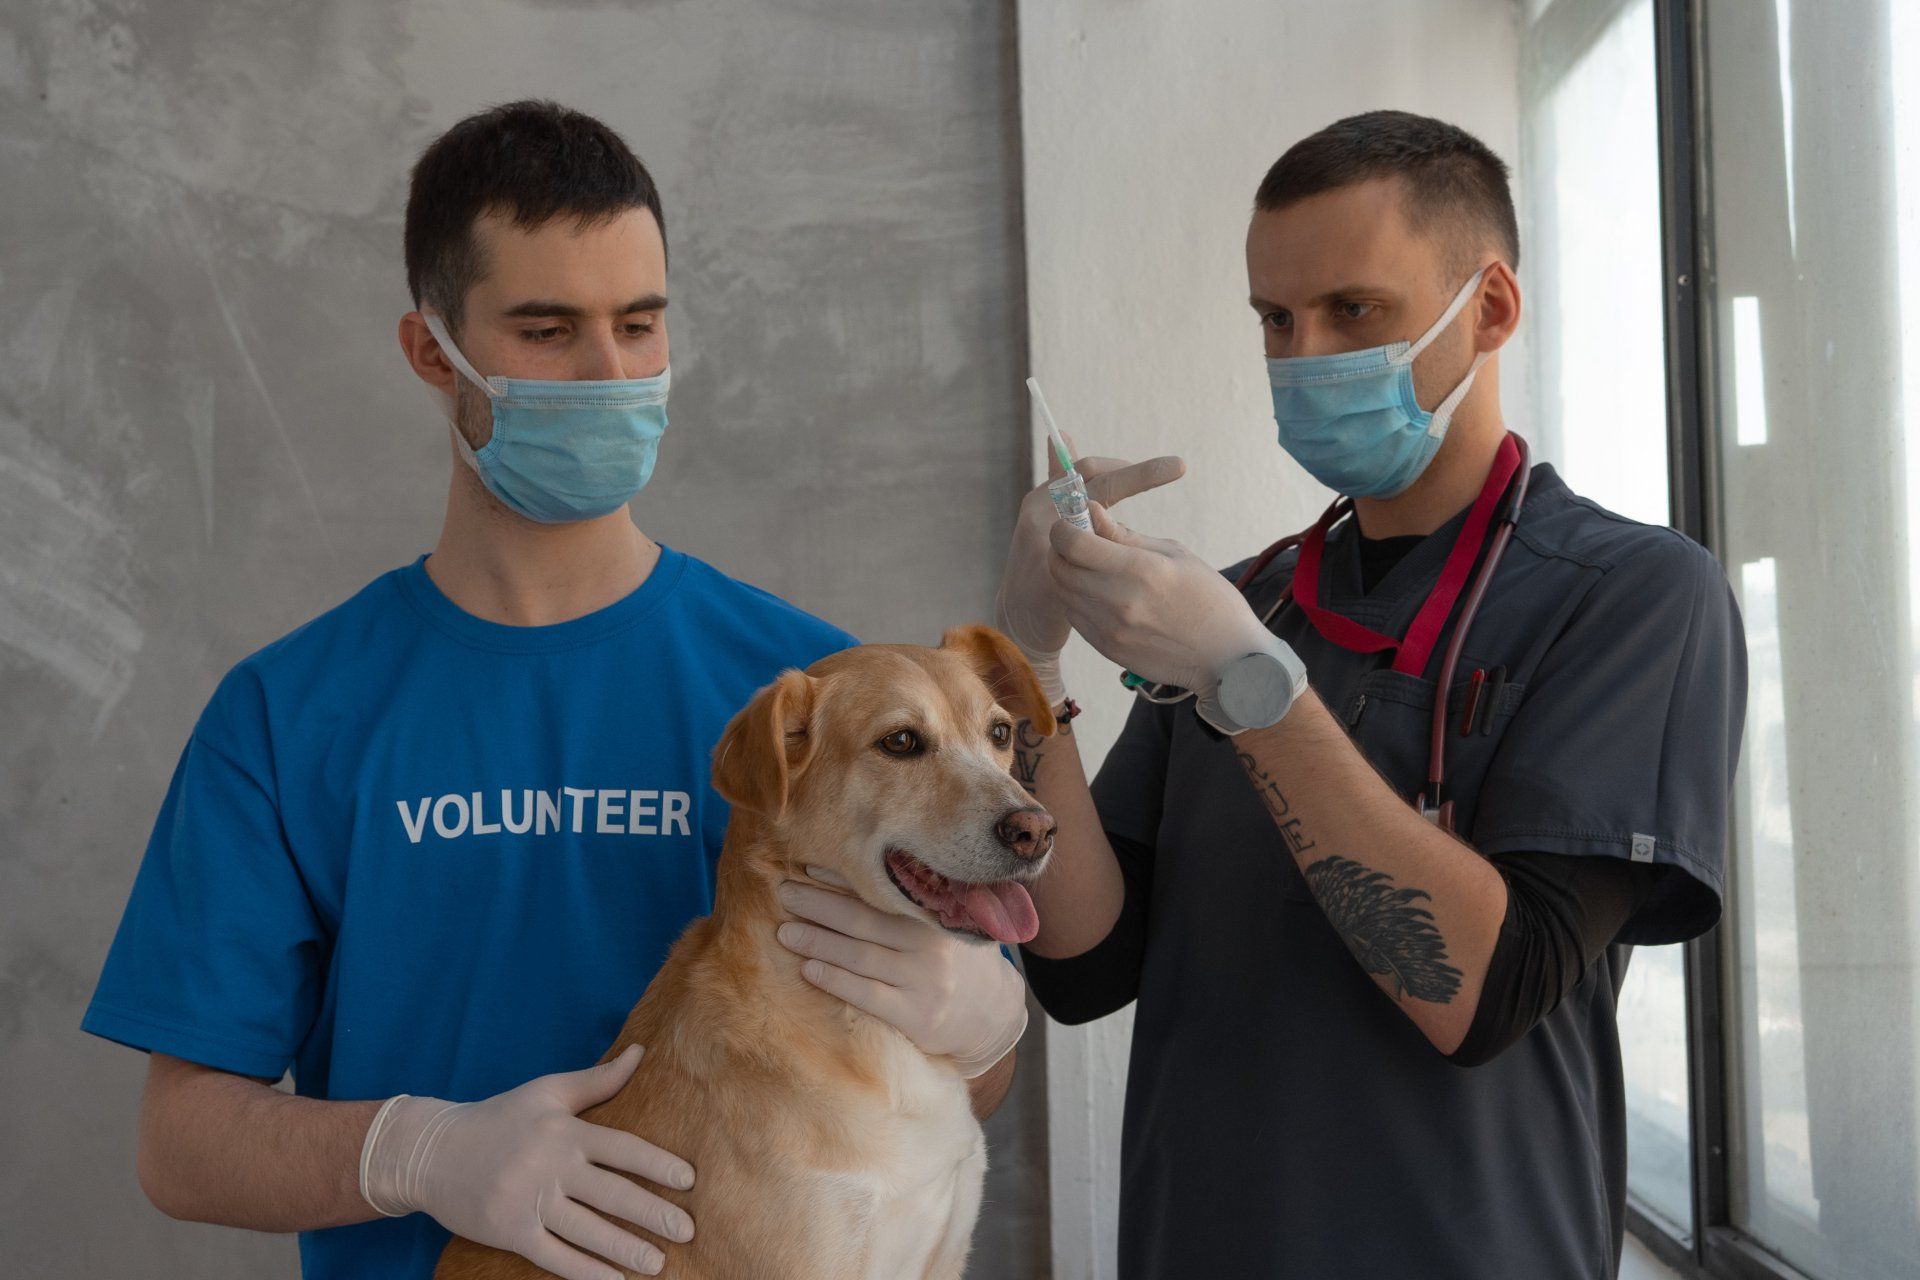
{"points": [[828, 1146]]}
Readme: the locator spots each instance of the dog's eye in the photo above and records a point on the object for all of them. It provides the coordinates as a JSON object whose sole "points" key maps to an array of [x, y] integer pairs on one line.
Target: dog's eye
{"points": [[1002, 734], [901, 742]]}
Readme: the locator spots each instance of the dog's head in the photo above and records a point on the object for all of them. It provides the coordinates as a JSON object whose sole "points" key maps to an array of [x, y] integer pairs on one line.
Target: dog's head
{"points": [[888, 765]]}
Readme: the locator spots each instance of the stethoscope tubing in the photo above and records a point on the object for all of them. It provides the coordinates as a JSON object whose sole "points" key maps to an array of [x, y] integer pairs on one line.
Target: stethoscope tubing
{"points": [[1433, 801], [1508, 517]]}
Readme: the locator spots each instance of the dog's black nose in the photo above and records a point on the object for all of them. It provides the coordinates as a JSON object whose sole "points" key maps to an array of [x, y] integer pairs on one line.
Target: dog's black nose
{"points": [[1027, 832]]}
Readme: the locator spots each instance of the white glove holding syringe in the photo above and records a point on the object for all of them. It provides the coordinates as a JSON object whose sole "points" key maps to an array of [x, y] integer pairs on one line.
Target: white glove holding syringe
{"points": [[1029, 609], [1166, 617]]}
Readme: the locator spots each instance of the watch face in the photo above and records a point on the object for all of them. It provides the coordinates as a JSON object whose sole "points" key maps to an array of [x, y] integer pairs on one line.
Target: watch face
{"points": [[1256, 690]]}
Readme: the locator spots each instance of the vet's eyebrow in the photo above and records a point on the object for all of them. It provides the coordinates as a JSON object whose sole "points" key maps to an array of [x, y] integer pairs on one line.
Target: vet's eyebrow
{"points": [[1340, 294], [1347, 291], [539, 307], [543, 307]]}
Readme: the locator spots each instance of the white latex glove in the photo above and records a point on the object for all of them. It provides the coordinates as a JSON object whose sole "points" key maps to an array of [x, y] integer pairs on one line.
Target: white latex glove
{"points": [[1151, 605], [949, 996], [1028, 610], [520, 1171]]}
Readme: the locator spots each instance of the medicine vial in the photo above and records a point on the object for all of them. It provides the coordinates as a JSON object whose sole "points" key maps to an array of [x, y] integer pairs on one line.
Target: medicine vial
{"points": [[1069, 494]]}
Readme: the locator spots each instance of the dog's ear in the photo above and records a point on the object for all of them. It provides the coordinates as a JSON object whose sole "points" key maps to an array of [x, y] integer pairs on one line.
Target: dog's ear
{"points": [[766, 746], [999, 662]]}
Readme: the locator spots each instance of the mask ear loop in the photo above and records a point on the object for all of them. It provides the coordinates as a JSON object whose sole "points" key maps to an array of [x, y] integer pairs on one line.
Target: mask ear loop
{"points": [[1443, 412], [438, 328], [1439, 326]]}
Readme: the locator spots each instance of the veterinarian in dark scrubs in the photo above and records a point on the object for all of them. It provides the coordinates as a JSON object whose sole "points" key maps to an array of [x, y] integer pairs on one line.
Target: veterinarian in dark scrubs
{"points": [[428, 849], [1366, 1044]]}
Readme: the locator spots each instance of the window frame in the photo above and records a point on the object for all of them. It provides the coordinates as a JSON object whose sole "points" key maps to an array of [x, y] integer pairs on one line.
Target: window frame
{"points": [[1717, 1248]]}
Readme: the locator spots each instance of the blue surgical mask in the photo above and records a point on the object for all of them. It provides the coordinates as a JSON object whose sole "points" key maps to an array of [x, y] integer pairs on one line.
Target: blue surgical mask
{"points": [[1351, 419], [564, 451]]}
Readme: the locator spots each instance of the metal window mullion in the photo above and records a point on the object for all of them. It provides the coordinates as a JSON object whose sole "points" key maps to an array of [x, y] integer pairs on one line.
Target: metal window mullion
{"points": [[1687, 324], [1684, 194]]}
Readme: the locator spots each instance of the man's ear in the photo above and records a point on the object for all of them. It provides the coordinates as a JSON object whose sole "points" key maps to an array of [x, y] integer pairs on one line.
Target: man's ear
{"points": [[766, 746], [999, 662]]}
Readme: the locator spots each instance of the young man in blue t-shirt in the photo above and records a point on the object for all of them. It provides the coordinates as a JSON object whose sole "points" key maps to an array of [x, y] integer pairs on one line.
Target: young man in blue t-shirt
{"points": [[428, 849]]}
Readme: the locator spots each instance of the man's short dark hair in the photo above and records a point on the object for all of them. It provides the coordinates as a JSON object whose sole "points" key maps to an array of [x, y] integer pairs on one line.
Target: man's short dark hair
{"points": [[532, 161], [1455, 187]]}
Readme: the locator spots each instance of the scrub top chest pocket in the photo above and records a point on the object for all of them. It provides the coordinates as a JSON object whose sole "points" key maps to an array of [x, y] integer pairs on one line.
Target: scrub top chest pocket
{"points": [[1389, 715]]}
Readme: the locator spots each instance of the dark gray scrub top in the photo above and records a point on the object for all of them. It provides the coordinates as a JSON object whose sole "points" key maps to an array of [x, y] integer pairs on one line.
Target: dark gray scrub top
{"points": [[1283, 1118]]}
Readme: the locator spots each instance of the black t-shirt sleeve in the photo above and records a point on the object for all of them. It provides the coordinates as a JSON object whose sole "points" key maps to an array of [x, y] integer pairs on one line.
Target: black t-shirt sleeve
{"points": [[1562, 912], [1106, 977], [1127, 793], [1625, 742], [1130, 787]]}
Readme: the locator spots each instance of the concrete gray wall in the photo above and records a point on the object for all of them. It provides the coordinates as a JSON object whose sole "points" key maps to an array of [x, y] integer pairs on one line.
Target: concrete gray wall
{"points": [[207, 434]]}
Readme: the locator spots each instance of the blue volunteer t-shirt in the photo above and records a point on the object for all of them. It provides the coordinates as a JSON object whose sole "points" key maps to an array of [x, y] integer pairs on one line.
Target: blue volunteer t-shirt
{"points": [[407, 850]]}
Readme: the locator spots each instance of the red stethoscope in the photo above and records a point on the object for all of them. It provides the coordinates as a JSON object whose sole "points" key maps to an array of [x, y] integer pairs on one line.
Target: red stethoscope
{"points": [[1498, 508]]}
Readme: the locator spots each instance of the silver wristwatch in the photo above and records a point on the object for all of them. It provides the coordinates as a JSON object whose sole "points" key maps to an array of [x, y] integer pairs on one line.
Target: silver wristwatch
{"points": [[1255, 690]]}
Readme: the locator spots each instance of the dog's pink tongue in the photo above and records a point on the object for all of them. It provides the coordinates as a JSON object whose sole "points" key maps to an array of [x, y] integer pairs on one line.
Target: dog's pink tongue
{"points": [[1004, 910]]}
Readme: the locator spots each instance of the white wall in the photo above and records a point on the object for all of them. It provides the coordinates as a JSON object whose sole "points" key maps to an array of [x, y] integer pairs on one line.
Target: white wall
{"points": [[1147, 124]]}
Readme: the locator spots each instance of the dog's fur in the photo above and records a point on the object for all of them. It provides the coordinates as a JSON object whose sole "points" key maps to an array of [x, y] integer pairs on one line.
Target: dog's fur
{"points": [[827, 1146]]}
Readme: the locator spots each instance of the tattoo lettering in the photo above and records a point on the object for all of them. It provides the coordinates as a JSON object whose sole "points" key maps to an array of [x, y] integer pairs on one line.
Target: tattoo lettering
{"points": [[1390, 936], [1269, 792], [1029, 748]]}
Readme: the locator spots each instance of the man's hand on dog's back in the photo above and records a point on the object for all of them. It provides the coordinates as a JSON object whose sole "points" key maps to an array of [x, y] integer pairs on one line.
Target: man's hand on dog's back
{"points": [[522, 1172]]}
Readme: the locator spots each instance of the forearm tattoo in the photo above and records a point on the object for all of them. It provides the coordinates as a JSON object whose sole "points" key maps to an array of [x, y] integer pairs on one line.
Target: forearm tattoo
{"points": [[1029, 748], [1392, 937], [1269, 792]]}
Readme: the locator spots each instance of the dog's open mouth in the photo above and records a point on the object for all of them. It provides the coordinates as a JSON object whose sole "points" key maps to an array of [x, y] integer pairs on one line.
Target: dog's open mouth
{"points": [[1001, 910]]}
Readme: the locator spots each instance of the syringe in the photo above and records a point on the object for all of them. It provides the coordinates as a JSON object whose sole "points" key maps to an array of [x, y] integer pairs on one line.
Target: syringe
{"points": [[1069, 492]]}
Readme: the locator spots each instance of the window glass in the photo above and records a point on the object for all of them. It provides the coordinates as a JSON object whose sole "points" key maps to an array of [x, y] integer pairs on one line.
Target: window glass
{"points": [[1591, 191], [1814, 121]]}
